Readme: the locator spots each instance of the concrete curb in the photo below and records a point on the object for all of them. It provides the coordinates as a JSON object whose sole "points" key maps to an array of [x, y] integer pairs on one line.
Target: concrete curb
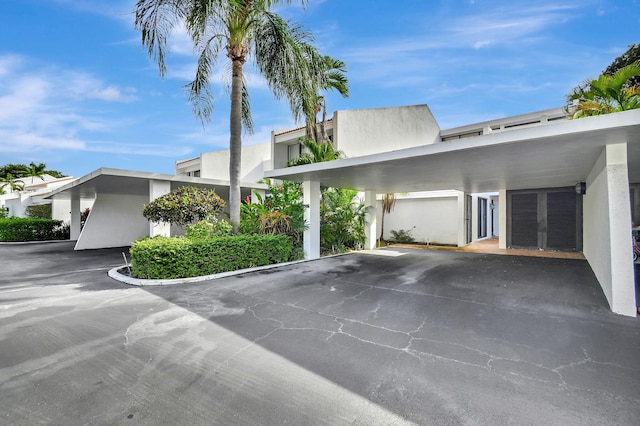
{"points": [[36, 242], [113, 273]]}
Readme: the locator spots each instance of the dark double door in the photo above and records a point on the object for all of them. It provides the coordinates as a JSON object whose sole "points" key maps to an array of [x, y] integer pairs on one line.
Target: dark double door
{"points": [[548, 219]]}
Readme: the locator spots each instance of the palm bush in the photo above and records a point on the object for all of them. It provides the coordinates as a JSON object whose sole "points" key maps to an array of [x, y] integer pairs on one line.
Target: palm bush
{"points": [[606, 94], [342, 220], [184, 205]]}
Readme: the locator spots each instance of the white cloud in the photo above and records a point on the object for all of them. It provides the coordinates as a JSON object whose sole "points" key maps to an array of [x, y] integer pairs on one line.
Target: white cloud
{"points": [[43, 107], [84, 86], [16, 141], [180, 42], [157, 150]]}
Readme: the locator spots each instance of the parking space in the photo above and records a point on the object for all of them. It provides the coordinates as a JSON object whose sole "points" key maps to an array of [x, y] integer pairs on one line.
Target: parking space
{"points": [[393, 336]]}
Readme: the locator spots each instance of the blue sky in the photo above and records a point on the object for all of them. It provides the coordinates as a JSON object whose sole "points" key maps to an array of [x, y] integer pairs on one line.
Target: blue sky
{"points": [[78, 91]]}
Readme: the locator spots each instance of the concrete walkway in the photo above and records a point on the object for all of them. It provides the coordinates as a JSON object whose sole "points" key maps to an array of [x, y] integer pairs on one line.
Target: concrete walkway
{"points": [[393, 336], [490, 246]]}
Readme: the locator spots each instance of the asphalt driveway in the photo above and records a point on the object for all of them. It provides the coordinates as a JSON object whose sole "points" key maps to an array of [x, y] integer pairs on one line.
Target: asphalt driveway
{"points": [[396, 336]]}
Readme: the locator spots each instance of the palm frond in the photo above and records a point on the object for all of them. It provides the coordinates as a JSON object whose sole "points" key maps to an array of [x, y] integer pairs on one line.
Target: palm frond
{"points": [[286, 58], [155, 19], [199, 90], [247, 120]]}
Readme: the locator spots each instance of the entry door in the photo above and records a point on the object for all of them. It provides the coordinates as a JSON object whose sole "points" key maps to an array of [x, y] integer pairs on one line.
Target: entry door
{"points": [[545, 219]]}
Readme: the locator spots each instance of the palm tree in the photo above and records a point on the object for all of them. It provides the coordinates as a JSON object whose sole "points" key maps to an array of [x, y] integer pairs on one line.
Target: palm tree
{"points": [[606, 94], [283, 53], [388, 202], [11, 182], [317, 153], [33, 171], [332, 77]]}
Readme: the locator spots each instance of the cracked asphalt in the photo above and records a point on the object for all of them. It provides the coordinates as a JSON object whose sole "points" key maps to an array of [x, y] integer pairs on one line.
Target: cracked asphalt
{"points": [[395, 336]]}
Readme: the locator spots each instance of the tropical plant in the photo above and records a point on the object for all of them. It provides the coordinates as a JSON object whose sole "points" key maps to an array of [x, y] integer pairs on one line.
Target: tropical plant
{"points": [[402, 236], [84, 215], [22, 170], [316, 153], [627, 58], [342, 220], [241, 29], [388, 202], [281, 211], [35, 170], [15, 170], [184, 205], [208, 228], [39, 211], [606, 94], [311, 103], [8, 180]]}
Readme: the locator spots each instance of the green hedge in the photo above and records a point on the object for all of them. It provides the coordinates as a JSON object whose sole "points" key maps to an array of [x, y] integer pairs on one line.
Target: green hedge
{"points": [[168, 258], [30, 229]]}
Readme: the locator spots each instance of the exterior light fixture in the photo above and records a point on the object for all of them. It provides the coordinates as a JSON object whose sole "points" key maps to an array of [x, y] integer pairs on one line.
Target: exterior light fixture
{"points": [[581, 188]]}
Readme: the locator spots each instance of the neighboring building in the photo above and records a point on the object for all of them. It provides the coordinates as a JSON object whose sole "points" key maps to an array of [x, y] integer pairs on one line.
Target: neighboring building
{"points": [[119, 197], [215, 164], [34, 193]]}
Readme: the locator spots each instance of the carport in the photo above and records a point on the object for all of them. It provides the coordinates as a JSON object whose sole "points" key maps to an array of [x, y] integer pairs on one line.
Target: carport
{"points": [[116, 217], [603, 152]]}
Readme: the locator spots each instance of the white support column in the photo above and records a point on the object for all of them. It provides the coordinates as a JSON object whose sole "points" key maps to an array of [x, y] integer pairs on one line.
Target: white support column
{"points": [[371, 220], [157, 189], [75, 219], [311, 199], [502, 219], [462, 226], [607, 228]]}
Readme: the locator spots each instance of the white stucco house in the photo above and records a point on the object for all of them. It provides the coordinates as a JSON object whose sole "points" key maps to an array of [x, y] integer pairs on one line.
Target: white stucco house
{"points": [[555, 184], [119, 196], [35, 191], [538, 181]]}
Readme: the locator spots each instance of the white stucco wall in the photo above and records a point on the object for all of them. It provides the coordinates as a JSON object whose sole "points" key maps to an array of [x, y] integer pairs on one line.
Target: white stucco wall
{"points": [[61, 209], [371, 131], [432, 219], [255, 159], [607, 228], [115, 221], [16, 206]]}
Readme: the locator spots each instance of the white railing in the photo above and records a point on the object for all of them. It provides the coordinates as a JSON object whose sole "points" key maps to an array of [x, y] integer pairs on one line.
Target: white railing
{"points": [[535, 119]]}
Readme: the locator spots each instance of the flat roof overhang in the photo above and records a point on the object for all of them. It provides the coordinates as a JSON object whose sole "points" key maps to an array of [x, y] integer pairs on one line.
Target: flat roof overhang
{"points": [[127, 182], [556, 154]]}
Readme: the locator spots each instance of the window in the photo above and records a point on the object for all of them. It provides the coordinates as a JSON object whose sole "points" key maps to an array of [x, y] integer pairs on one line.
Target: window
{"points": [[294, 151]]}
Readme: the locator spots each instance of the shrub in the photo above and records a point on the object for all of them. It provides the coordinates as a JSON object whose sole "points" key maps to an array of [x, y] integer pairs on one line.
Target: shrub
{"points": [[84, 215], [401, 236], [40, 211], [342, 220], [280, 212], [29, 229], [184, 205], [209, 228], [168, 258]]}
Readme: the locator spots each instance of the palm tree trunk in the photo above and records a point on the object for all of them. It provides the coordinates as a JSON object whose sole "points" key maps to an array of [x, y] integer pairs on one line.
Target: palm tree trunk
{"points": [[324, 136], [235, 141]]}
